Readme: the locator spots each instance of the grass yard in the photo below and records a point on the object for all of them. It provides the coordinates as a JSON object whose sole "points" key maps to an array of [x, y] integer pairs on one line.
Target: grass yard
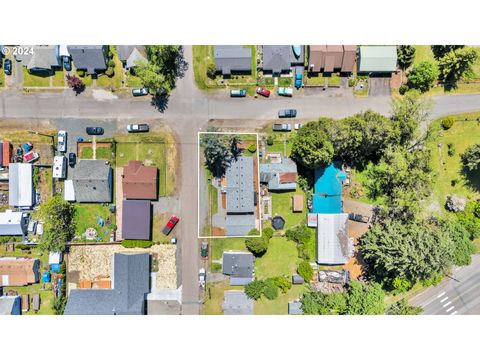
{"points": [[285, 81], [282, 205], [279, 306], [2, 74], [40, 79], [361, 92], [423, 53], [322, 79], [202, 56], [280, 259], [59, 78], [114, 82], [104, 153], [133, 81], [86, 217], [214, 297], [219, 245], [86, 153], [282, 142], [447, 168], [159, 221]]}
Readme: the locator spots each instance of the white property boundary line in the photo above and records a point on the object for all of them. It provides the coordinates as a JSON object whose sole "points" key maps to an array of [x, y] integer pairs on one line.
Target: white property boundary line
{"points": [[198, 186]]}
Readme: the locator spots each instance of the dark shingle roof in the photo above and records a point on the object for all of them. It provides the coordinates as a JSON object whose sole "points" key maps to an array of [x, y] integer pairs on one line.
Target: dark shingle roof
{"points": [[276, 58], [239, 177], [131, 284], [92, 181], [88, 57], [230, 58], [136, 219], [238, 264]]}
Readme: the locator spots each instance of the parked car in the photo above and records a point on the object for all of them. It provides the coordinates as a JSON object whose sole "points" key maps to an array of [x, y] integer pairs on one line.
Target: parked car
{"points": [[67, 63], [298, 80], [297, 126], [7, 66], [32, 226], [287, 113], [282, 127], [31, 156], [238, 93], [62, 141], [140, 92], [170, 225], [202, 277], [94, 130], [138, 128], [358, 218], [72, 159], [262, 91], [285, 91], [40, 229], [204, 250]]}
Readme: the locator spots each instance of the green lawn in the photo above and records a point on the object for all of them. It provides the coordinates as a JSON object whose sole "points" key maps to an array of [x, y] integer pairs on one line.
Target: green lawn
{"points": [[423, 53], [285, 81], [158, 236], [133, 81], [86, 217], [447, 168], [114, 82], [214, 297], [282, 205], [104, 153], [279, 306], [322, 79], [202, 56], [280, 259], [280, 140], [219, 245], [59, 78], [86, 153], [41, 79], [2, 74]]}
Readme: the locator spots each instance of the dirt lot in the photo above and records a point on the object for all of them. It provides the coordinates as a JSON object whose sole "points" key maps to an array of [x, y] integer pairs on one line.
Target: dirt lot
{"points": [[94, 261]]}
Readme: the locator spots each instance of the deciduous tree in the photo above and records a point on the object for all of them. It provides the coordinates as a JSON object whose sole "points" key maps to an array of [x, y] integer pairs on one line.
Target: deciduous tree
{"points": [[423, 76]]}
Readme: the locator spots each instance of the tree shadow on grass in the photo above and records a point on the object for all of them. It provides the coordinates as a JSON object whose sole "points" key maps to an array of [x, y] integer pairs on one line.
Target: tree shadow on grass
{"points": [[472, 178]]}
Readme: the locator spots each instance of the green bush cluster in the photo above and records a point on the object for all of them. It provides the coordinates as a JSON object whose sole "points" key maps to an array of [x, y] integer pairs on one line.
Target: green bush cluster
{"points": [[270, 140], [136, 243], [302, 235], [110, 72], [305, 270], [252, 148], [258, 246], [269, 287], [447, 122], [81, 73]]}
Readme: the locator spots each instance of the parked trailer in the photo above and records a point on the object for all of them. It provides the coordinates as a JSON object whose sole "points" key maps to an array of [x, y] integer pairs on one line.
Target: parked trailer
{"points": [[25, 302], [59, 167], [36, 302]]}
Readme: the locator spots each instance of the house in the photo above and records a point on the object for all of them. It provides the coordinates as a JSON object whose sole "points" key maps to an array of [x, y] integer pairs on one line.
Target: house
{"points": [[232, 59], [334, 246], [41, 58], [331, 58], [20, 185], [279, 176], [13, 223], [131, 284], [10, 305], [131, 55], [239, 266], [90, 58], [297, 203], [139, 181], [240, 197], [237, 303], [295, 308], [19, 271], [93, 181], [279, 59], [377, 59], [136, 219], [5, 153], [297, 279]]}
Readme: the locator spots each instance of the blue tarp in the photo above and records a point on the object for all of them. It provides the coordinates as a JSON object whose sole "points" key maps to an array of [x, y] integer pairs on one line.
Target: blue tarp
{"points": [[55, 268], [46, 277], [327, 197]]}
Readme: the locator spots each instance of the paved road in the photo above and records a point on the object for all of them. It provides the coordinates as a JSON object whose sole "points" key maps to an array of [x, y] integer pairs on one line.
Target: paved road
{"points": [[458, 294]]}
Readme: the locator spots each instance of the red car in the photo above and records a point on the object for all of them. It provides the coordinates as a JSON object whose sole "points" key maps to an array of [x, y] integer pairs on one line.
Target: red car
{"points": [[171, 224], [30, 156], [263, 91]]}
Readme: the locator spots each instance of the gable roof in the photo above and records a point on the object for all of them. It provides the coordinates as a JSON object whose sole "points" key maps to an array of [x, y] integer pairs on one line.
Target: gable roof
{"points": [[377, 59], [136, 219], [239, 266], [139, 181], [92, 181], [349, 56], [131, 284], [279, 176], [276, 58], [239, 191], [333, 243], [237, 303], [42, 57], [13, 223], [18, 271], [230, 58], [20, 185], [10, 305], [90, 58], [331, 58], [131, 54]]}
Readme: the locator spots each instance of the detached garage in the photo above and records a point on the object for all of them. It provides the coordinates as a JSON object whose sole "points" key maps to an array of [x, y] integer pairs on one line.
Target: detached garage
{"points": [[377, 59]]}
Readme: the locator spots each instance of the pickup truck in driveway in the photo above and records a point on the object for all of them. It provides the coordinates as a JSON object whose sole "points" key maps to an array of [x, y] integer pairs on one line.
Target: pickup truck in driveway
{"points": [[287, 113], [282, 127]]}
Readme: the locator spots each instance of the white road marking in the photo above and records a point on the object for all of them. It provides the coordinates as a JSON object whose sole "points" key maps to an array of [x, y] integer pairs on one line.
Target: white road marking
{"points": [[445, 298], [440, 295], [450, 309], [446, 304], [453, 313]]}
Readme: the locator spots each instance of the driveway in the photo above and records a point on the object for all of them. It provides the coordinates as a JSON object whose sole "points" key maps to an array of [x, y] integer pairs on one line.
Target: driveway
{"points": [[379, 86]]}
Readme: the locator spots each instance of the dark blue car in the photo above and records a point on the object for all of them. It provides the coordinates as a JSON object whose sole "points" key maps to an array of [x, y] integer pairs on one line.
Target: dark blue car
{"points": [[7, 66], [67, 63]]}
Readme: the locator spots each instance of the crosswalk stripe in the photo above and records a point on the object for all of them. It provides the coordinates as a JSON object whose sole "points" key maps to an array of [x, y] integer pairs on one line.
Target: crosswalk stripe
{"points": [[445, 298], [450, 309], [440, 295], [446, 304], [453, 313]]}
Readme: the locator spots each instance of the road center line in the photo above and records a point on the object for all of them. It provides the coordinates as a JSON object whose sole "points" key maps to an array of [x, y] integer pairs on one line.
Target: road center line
{"points": [[450, 309], [440, 295], [445, 298], [446, 304]]}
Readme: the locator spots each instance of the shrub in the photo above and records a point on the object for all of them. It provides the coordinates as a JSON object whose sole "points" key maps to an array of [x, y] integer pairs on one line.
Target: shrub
{"points": [[257, 245], [270, 140], [305, 270], [111, 63], [254, 290], [81, 73], [270, 290], [401, 285], [283, 283], [268, 232], [423, 76], [403, 89], [252, 148], [211, 71], [451, 149], [447, 122], [352, 82], [110, 72], [23, 247], [136, 243], [432, 280]]}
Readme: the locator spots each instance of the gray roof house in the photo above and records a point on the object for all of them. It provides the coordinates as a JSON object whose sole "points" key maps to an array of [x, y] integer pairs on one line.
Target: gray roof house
{"points": [[377, 59], [237, 303], [41, 58], [10, 305], [136, 219], [278, 59], [20, 185], [334, 247], [232, 59], [93, 181], [131, 284], [239, 225], [91, 58], [239, 266], [130, 55], [279, 177], [13, 223], [239, 176]]}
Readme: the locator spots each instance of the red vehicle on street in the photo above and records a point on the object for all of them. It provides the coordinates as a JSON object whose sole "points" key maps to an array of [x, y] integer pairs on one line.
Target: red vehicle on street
{"points": [[262, 91], [170, 225]]}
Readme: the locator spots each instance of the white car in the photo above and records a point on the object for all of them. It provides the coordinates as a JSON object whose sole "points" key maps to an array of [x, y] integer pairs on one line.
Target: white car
{"points": [[202, 277], [297, 126], [40, 229], [62, 141]]}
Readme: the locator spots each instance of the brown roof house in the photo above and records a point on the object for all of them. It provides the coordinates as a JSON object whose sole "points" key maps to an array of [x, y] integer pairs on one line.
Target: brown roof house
{"points": [[139, 181], [331, 58], [19, 271]]}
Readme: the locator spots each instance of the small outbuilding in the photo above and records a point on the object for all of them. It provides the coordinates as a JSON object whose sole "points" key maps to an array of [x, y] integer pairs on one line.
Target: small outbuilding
{"points": [[297, 279], [295, 308], [297, 203], [278, 222]]}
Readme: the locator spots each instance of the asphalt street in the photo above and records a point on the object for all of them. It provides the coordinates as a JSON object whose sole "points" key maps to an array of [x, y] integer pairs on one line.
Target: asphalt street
{"points": [[457, 294]]}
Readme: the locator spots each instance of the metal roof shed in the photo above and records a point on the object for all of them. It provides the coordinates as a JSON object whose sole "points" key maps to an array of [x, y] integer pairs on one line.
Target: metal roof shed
{"points": [[377, 59], [333, 244], [20, 185]]}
